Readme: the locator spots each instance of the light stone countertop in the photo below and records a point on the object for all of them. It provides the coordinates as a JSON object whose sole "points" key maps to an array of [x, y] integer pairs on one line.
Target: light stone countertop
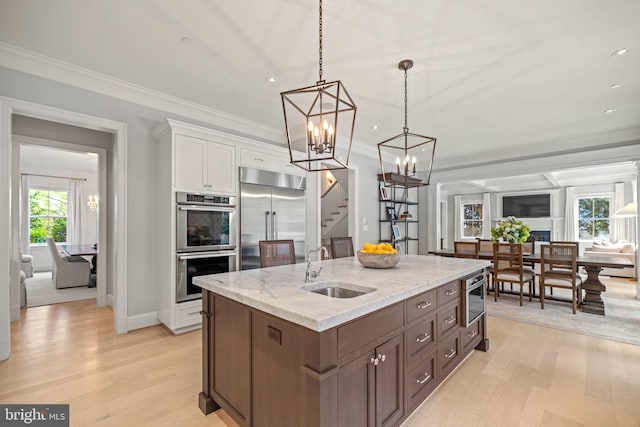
{"points": [[279, 290]]}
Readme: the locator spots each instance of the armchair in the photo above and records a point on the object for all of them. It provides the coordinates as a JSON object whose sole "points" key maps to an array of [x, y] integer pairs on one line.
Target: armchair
{"points": [[68, 272]]}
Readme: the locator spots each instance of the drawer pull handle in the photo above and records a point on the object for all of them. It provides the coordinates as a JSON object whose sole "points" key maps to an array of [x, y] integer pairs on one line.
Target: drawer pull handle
{"points": [[449, 320], [424, 304], [258, 159], [375, 360], [451, 353], [426, 378], [205, 313], [382, 357], [424, 337], [451, 292], [193, 313], [472, 334]]}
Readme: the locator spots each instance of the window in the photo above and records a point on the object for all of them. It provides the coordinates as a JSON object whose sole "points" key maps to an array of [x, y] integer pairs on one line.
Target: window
{"points": [[594, 219], [472, 220], [47, 215]]}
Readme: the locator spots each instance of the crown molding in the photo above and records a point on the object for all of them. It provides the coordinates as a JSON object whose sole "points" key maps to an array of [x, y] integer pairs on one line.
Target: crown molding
{"points": [[52, 69]]}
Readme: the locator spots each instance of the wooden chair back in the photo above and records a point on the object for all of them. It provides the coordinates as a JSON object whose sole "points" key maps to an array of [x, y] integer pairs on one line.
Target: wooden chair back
{"points": [[341, 247], [485, 245], [466, 249], [559, 259], [276, 252], [507, 258]]}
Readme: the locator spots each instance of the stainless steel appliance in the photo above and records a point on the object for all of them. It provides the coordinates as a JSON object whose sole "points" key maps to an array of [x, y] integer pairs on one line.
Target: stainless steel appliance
{"points": [[272, 207], [205, 239], [192, 264], [205, 222], [474, 301]]}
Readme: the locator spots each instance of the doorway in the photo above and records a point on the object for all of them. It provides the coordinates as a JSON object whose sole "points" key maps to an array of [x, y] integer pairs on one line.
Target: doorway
{"points": [[60, 199], [115, 232]]}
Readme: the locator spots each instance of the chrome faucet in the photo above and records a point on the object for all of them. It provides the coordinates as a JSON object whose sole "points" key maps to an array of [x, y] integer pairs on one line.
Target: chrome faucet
{"points": [[309, 274]]}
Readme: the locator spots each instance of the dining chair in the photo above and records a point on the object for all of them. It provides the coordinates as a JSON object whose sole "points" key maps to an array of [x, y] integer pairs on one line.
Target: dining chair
{"points": [[466, 249], [558, 268], [341, 247], [68, 271], [276, 252], [486, 245], [508, 267]]}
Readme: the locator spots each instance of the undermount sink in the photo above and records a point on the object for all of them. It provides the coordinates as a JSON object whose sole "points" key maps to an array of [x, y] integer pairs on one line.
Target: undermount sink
{"points": [[336, 289]]}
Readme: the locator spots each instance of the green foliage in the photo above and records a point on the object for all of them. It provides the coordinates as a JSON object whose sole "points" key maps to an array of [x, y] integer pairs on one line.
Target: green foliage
{"points": [[593, 217], [510, 230], [48, 215]]}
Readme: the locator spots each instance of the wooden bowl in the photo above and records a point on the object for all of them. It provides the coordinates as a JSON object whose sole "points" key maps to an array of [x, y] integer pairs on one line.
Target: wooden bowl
{"points": [[378, 260]]}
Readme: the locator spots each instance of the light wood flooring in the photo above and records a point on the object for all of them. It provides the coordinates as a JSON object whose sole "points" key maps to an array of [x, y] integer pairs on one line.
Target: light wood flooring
{"points": [[532, 376]]}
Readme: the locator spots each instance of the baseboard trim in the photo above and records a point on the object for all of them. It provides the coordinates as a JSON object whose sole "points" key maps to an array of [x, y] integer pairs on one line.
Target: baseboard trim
{"points": [[142, 321], [102, 300], [110, 300], [5, 349]]}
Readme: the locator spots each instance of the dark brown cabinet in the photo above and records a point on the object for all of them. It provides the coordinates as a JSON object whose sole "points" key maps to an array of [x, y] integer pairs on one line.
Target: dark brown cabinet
{"points": [[372, 371], [371, 387]]}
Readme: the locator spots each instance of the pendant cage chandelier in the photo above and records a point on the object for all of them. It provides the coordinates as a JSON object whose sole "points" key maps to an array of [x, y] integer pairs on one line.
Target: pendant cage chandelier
{"points": [[311, 116], [409, 153]]}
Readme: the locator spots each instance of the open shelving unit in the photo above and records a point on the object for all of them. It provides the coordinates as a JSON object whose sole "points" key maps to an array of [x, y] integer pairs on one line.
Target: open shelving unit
{"points": [[398, 207]]}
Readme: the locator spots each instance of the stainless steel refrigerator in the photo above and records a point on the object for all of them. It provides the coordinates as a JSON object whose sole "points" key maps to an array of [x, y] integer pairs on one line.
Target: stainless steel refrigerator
{"points": [[272, 207]]}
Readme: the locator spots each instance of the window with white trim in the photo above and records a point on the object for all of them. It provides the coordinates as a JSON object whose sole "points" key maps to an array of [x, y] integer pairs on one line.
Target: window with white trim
{"points": [[594, 217], [47, 215], [472, 220]]}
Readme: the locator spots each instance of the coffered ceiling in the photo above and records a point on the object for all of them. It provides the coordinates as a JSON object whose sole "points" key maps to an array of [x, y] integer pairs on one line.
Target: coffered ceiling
{"points": [[493, 79]]}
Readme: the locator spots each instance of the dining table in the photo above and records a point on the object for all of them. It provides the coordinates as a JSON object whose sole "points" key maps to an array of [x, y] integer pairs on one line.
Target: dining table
{"points": [[593, 265], [79, 250]]}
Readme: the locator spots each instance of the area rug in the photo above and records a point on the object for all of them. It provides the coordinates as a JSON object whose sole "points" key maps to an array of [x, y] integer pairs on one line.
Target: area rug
{"points": [[40, 291], [621, 321]]}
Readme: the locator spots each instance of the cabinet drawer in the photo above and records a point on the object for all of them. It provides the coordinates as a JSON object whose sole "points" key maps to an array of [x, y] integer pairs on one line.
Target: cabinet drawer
{"points": [[420, 339], [471, 336], [357, 334], [448, 293], [421, 304], [448, 319], [448, 355], [261, 160], [188, 314], [421, 381]]}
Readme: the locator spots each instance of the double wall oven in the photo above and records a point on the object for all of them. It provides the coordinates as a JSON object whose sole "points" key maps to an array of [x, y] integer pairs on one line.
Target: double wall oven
{"points": [[205, 239]]}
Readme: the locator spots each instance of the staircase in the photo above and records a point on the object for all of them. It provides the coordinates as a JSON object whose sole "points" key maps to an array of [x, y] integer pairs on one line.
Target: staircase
{"points": [[334, 212]]}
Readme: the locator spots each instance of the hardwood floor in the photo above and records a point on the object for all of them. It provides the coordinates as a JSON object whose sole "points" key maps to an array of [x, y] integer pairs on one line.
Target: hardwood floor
{"points": [[532, 376]]}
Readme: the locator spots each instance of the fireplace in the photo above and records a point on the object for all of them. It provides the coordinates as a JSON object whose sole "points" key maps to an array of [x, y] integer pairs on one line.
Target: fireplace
{"points": [[540, 236]]}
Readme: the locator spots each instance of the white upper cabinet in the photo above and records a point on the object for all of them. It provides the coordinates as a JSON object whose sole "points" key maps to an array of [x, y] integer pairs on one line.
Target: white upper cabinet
{"points": [[204, 166]]}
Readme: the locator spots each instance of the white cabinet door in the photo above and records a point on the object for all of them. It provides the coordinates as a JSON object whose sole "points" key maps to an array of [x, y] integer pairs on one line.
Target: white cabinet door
{"points": [[221, 171], [191, 163], [203, 165]]}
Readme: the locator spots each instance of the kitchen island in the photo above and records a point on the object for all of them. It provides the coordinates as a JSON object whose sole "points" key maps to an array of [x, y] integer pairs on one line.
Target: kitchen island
{"points": [[277, 353]]}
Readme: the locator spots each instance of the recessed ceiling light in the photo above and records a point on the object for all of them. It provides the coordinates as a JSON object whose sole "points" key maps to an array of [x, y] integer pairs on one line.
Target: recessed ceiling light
{"points": [[610, 110], [374, 127], [615, 86], [271, 79], [185, 40], [621, 52]]}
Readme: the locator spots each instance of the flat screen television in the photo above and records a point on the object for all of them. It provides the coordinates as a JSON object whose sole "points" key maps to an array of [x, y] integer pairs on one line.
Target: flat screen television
{"points": [[530, 206]]}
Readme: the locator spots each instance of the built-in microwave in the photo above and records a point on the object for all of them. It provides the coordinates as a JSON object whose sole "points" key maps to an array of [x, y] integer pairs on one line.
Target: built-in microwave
{"points": [[475, 297], [205, 222]]}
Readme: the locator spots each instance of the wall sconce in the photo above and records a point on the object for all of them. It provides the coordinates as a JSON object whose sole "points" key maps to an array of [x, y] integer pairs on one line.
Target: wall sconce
{"points": [[330, 177], [93, 202]]}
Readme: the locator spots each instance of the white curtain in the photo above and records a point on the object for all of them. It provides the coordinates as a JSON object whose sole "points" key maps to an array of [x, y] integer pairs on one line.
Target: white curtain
{"points": [[25, 234], [486, 216], [75, 206], [570, 215], [457, 218], [618, 225]]}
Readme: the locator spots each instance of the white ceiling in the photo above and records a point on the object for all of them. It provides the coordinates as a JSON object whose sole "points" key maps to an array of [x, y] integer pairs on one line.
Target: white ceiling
{"points": [[493, 79]]}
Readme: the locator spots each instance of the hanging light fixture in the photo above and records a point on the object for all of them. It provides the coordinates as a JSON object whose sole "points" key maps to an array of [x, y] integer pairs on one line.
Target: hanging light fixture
{"points": [[408, 152], [311, 120]]}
